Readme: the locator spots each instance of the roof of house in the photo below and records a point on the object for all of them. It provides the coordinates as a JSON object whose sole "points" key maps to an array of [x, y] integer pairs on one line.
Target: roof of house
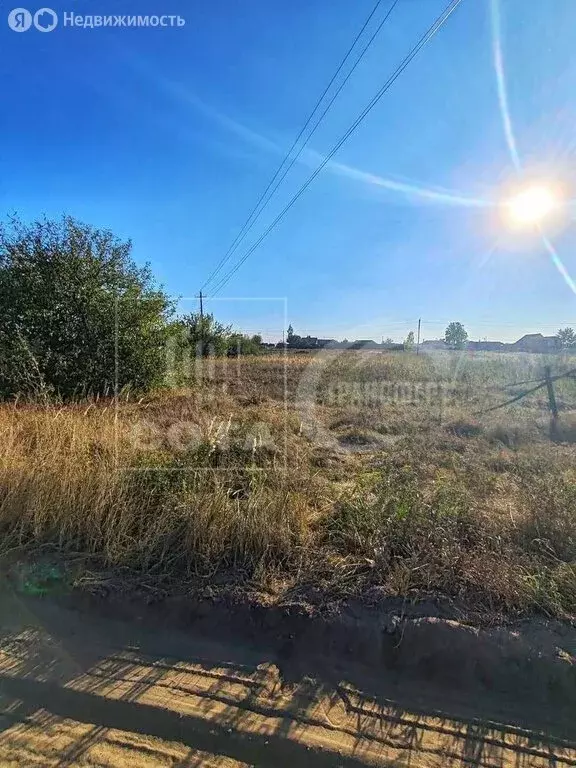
{"points": [[531, 336]]}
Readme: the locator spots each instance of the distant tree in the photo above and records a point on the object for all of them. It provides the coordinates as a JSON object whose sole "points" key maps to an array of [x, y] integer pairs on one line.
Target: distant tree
{"points": [[193, 336], [204, 334], [455, 336], [292, 339], [409, 341], [239, 344], [389, 340], [72, 303], [567, 338]]}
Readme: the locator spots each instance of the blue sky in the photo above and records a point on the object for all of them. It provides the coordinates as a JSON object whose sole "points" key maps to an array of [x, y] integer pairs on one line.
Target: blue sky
{"points": [[168, 136]]}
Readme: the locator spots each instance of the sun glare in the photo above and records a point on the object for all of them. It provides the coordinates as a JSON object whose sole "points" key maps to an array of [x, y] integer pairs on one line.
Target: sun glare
{"points": [[531, 206]]}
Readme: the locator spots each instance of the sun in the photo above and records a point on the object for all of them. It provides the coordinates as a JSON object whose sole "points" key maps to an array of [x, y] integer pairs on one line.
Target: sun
{"points": [[531, 206]]}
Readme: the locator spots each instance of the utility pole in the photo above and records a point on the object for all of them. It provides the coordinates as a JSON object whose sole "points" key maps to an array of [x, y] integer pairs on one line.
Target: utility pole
{"points": [[201, 325], [418, 342]]}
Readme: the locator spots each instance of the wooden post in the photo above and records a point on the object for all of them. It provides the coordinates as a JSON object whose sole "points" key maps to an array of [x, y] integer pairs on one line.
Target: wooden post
{"points": [[440, 395], [418, 342], [201, 325], [551, 396]]}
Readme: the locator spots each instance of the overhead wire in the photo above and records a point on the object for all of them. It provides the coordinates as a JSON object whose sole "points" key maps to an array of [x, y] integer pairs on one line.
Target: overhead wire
{"points": [[424, 39], [269, 192]]}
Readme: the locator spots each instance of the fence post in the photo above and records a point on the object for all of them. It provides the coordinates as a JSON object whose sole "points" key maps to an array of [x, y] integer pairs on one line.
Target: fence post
{"points": [[551, 396], [440, 392]]}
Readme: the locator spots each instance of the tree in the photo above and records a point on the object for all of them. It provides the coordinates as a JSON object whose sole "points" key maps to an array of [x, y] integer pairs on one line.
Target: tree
{"points": [[409, 340], [292, 339], [567, 338], [196, 335], [75, 311], [204, 334], [455, 336], [240, 344]]}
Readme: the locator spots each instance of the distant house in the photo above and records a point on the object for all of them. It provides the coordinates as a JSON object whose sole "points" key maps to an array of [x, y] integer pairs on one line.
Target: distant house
{"points": [[531, 342], [535, 342], [487, 346], [309, 342], [434, 344]]}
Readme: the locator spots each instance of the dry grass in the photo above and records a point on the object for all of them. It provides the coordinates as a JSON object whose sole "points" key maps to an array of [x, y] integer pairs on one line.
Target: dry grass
{"points": [[392, 488], [75, 479]]}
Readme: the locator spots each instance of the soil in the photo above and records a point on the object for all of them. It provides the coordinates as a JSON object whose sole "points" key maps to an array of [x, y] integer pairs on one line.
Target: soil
{"points": [[87, 681]]}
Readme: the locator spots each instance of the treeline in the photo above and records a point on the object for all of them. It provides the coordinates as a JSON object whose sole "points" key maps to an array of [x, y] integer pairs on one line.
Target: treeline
{"points": [[79, 317]]}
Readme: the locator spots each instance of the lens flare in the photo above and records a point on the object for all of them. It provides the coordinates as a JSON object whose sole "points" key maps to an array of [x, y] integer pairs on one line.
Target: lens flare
{"points": [[531, 206], [501, 83], [558, 263]]}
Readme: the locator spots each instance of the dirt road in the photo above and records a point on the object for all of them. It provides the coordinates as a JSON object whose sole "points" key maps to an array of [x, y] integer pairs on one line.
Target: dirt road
{"points": [[80, 690]]}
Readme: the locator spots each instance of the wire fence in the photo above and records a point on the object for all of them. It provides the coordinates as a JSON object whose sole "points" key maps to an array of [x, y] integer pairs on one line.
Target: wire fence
{"points": [[547, 381]]}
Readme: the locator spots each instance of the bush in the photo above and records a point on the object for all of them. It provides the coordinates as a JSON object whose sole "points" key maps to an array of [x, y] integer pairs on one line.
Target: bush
{"points": [[196, 335], [73, 303]]}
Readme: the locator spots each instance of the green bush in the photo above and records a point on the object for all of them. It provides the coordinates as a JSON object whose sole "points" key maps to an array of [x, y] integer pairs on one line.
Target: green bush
{"points": [[77, 312]]}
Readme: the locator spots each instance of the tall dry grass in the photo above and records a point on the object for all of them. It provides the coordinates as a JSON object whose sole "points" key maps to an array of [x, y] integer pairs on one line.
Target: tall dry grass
{"points": [[406, 497], [82, 481]]}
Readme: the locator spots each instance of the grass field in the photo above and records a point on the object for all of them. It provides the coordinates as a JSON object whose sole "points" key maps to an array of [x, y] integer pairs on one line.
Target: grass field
{"points": [[330, 475]]}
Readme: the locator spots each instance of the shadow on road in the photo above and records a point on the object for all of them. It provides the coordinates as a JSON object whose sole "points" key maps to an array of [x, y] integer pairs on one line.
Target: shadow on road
{"points": [[74, 687]]}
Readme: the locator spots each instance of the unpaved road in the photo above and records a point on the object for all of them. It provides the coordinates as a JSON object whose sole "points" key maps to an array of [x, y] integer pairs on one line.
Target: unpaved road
{"points": [[80, 690]]}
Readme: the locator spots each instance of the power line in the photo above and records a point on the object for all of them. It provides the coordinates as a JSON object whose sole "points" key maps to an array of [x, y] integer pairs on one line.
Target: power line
{"points": [[497, 324], [395, 75], [269, 192], [249, 222]]}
